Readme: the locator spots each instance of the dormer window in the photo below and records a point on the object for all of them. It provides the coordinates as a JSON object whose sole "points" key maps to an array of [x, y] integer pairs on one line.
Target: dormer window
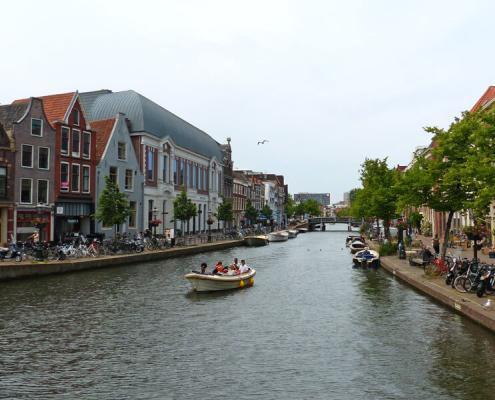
{"points": [[75, 116], [36, 127], [121, 151]]}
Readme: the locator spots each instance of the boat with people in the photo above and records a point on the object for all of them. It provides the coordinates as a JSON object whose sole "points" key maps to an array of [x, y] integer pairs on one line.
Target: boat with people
{"points": [[280, 236], [357, 245], [256, 240], [292, 233], [209, 282], [366, 259]]}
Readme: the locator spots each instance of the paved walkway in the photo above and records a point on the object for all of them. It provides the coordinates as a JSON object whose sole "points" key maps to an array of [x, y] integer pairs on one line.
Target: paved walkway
{"points": [[481, 310]]}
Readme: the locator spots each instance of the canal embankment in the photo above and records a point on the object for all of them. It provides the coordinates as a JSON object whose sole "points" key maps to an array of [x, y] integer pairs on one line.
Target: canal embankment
{"points": [[25, 269], [469, 305]]}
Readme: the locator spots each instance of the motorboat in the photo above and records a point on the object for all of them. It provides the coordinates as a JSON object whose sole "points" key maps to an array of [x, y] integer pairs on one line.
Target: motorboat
{"points": [[209, 283], [349, 239], [302, 230], [366, 259], [292, 233], [280, 236], [256, 240], [357, 245]]}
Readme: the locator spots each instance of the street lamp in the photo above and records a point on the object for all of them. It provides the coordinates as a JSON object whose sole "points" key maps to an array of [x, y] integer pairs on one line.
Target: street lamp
{"points": [[155, 213], [199, 219], [209, 221]]}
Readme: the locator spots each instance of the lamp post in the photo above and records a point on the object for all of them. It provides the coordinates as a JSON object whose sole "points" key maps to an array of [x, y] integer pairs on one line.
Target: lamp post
{"points": [[209, 221], [155, 213], [199, 219]]}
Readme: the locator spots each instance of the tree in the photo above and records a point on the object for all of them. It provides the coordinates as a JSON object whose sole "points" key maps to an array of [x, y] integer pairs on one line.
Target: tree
{"points": [[113, 206], [267, 212], [224, 211], [378, 196], [299, 209], [184, 208], [312, 207], [343, 212], [446, 179], [251, 213], [290, 207]]}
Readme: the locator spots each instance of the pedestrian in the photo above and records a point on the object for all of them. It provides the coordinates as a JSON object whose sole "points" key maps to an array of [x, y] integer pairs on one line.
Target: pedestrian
{"points": [[436, 244]]}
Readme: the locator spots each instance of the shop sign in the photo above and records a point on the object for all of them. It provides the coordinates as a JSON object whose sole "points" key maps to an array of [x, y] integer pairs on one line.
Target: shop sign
{"points": [[72, 221], [60, 210]]}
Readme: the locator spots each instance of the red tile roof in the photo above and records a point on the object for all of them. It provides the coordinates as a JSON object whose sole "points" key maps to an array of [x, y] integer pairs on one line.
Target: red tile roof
{"points": [[103, 129], [488, 96], [55, 105]]}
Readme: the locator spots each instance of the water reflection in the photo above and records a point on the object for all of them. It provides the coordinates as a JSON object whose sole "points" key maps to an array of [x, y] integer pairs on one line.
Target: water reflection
{"points": [[311, 327]]}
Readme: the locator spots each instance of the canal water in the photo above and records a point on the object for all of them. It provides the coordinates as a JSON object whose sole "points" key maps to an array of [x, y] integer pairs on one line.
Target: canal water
{"points": [[310, 328]]}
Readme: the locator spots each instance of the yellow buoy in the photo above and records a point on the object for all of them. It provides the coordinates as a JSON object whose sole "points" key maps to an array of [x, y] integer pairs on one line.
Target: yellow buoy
{"points": [[241, 284], [251, 281]]}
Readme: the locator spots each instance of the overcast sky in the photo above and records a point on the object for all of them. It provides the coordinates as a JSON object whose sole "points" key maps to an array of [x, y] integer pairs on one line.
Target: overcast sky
{"points": [[328, 83]]}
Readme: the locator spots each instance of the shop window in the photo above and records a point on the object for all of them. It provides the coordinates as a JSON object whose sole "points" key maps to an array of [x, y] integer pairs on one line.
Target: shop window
{"points": [[26, 191]]}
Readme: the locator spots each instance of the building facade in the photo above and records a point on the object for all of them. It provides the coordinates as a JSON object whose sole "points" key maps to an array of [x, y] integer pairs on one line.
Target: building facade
{"points": [[116, 158], [322, 198], [7, 181]]}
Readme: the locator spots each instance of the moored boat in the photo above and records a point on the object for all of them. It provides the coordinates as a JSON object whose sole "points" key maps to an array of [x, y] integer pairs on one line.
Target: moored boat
{"points": [[210, 283], [302, 230], [280, 236], [292, 233], [349, 239], [257, 240], [357, 245], [366, 259]]}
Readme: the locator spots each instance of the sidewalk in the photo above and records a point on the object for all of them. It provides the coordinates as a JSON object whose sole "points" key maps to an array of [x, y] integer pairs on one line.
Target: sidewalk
{"points": [[481, 310]]}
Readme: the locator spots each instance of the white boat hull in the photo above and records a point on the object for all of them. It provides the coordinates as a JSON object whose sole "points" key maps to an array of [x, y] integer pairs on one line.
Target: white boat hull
{"points": [[211, 283], [366, 259], [292, 233], [254, 241], [278, 236]]}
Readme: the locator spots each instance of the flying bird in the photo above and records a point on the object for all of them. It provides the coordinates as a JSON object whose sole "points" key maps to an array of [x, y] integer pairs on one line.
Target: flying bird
{"points": [[263, 141]]}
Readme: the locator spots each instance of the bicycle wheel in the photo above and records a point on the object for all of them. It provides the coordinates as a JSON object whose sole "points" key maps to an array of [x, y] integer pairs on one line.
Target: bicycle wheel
{"points": [[468, 285], [459, 284]]}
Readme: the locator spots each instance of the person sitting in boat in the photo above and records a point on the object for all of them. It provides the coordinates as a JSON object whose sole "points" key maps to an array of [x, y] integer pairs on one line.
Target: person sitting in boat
{"points": [[235, 265], [220, 269], [203, 268], [243, 268]]}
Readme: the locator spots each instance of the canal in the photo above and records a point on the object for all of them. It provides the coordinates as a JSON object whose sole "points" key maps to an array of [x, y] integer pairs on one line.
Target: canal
{"points": [[310, 328]]}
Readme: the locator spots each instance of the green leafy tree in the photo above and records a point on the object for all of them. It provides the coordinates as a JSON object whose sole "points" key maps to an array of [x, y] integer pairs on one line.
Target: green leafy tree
{"points": [[343, 212], [251, 213], [290, 206], [267, 212], [224, 212], [184, 208], [415, 219], [312, 207], [299, 209], [113, 206]]}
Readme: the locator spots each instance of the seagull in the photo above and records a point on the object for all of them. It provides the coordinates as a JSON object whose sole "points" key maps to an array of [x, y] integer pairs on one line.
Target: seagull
{"points": [[263, 141]]}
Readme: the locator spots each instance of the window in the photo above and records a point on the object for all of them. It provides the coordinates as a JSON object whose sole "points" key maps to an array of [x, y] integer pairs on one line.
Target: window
{"points": [[114, 174], [194, 169], [75, 116], [189, 174], [43, 157], [164, 170], [181, 173], [85, 179], [200, 178], [132, 215], [150, 164], [75, 177], [76, 142], [176, 168], [26, 190], [121, 151], [86, 144], [27, 156], [64, 177], [36, 127], [64, 145], [3, 182], [129, 173], [42, 191]]}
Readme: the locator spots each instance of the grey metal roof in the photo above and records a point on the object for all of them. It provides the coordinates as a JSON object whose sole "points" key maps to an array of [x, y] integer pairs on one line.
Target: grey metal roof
{"points": [[147, 116]]}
